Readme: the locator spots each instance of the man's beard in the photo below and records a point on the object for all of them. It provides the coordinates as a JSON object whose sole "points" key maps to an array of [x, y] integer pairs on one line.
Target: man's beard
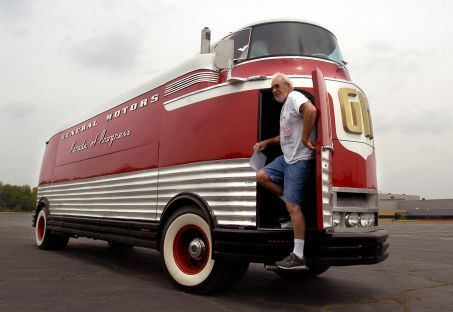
{"points": [[279, 98]]}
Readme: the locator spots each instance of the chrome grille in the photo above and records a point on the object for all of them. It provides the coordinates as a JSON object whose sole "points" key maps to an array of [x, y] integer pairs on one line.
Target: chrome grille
{"points": [[326, 176], [191, 80]]}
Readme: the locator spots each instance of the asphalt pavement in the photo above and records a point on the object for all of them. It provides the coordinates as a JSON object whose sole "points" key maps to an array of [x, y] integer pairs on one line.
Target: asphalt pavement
{"points": [[89, 276]]}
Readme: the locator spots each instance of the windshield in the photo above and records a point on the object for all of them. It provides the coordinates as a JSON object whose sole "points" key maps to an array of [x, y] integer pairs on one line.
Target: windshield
{"points": [[289, 38]]}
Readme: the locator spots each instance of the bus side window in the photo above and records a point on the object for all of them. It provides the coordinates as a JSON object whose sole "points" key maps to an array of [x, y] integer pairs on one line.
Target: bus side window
{"points": [[241, 44], [259, 49]]}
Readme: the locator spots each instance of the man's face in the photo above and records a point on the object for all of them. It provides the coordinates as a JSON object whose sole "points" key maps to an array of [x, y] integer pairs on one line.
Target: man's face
{"points": [[280, 89]]}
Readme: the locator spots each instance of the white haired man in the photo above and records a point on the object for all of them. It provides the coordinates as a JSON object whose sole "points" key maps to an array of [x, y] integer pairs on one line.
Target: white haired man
{"points": [[288, 174]]}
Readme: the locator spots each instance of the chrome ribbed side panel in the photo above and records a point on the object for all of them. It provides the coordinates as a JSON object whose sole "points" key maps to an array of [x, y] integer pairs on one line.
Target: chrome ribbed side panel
{"points": [[191, 80], [228, 186], [125, 196], [326, 176]]}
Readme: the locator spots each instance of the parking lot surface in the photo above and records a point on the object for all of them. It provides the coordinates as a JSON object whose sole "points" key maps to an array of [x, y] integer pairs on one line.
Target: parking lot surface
{"points": [[89, 276]]}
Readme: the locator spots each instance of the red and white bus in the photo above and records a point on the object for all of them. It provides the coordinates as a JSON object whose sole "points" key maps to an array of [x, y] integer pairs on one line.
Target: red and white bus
{"points": [[166, 166]]}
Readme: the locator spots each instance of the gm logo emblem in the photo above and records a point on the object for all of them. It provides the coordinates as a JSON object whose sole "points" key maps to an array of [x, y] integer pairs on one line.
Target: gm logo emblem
{"points": [[355, 112]]}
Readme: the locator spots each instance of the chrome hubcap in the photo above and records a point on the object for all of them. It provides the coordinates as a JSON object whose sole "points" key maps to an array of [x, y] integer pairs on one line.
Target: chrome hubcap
{"points": [[197, 248]]}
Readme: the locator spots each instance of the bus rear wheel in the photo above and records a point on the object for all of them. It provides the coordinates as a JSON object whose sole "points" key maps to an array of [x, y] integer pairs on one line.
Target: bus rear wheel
{"points": [[46, 239], [186, 251]]}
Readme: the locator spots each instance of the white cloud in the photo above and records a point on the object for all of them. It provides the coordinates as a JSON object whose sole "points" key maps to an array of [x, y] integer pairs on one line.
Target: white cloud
{"points": [[16, 110], [413, 122], [431, 121], [117, 50], [16, 16]]}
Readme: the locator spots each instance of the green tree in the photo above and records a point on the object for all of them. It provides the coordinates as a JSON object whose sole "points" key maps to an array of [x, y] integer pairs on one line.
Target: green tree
{"points": [[17, 198]]}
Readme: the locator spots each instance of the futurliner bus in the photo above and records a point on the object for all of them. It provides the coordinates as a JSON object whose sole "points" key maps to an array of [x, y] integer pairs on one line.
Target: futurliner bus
{"points": [[167, 165]]}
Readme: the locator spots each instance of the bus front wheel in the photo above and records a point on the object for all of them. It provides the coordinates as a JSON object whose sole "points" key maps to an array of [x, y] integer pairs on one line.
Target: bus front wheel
{"points": [[186, 251]]}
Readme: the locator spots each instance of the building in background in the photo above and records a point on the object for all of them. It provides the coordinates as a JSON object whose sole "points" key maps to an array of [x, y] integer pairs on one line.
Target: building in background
{"points": [[413, 207]]}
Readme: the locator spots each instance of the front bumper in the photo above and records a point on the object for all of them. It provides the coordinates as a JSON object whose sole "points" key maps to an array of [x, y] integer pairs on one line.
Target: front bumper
{"points": [[269, 245]]}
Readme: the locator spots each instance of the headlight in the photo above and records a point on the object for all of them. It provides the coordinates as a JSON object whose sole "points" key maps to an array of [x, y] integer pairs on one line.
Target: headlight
{"points": [[372, 219], [365, 220], [352, 219], [336, 218]]}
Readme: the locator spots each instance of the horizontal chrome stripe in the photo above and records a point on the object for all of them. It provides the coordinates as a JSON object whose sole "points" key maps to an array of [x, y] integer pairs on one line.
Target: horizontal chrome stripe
{"points": [[354, 190], [223, 89], [356, 229], [128, 195], [228, 186], [169, 91], [191, 80], [112, 215], [184, 81], [356, 209]]}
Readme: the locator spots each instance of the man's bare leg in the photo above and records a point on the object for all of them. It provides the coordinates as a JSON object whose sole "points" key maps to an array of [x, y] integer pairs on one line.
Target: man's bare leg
{"points": [[298, 220], [295, 259], [265, 181], [295, 213]]}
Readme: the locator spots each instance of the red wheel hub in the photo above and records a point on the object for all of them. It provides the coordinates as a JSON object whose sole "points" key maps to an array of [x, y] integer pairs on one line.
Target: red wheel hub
{"points": [[41, 228], [181, 245]]}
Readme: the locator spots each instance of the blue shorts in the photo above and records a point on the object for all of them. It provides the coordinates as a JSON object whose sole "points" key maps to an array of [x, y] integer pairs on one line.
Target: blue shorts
{"points": [[293, 177]]}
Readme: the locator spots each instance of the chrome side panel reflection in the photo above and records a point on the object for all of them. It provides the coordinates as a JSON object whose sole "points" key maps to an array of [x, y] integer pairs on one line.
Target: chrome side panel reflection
{"points": [[125, 196], [228, 186]]}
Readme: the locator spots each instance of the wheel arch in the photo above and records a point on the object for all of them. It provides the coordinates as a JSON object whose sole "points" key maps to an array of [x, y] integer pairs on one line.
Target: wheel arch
{"points": [[42, 203], [183, 200]]}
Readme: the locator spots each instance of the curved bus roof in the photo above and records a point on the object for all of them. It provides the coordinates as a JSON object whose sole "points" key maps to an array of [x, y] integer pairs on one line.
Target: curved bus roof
{"points": [[282, 20], [198, 61]]}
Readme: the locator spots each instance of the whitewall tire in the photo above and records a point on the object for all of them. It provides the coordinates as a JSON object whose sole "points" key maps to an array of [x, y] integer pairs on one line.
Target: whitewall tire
{"points": [[182, 267], [186, 251], [46, 239]]}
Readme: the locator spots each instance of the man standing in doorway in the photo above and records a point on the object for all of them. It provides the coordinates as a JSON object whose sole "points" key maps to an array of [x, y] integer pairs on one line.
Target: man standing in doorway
{"points": [[288, 174]]}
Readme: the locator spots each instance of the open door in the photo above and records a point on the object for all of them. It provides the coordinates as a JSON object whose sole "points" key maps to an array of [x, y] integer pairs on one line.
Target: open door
{"points": [[324, 151]]}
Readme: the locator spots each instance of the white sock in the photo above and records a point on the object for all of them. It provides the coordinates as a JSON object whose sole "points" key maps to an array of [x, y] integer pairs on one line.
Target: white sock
{"points": [[299, 248]]}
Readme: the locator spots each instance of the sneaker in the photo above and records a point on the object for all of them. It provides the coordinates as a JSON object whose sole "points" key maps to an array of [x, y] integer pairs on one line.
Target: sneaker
{"points": [[291, 262]]}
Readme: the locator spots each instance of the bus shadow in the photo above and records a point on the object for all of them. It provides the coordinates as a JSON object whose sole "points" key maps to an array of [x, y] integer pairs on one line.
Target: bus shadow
{"points": [[142, 263], [258, 286], [262, 287]]}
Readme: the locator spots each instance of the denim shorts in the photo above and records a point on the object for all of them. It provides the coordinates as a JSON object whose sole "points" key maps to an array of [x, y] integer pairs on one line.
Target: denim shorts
{"points": [[293, 177]]}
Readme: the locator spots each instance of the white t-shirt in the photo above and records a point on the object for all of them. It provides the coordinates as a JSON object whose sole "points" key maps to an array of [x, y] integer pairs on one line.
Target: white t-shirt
{"points": [[291, 127]]}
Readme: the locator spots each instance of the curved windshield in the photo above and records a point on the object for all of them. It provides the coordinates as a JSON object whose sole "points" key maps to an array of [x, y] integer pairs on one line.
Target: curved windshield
{"points": [[289, 38]]}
